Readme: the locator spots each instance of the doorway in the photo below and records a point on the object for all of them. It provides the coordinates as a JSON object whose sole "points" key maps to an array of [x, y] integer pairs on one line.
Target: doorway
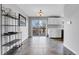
{"points": [[39, 27]]}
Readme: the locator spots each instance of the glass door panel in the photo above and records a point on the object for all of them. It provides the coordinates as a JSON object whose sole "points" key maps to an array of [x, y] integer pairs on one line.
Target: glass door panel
{"points": [[35, 27], [39, 27]]}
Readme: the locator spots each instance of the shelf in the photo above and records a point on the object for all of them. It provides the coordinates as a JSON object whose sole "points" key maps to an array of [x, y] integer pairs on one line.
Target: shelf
{"points": [[11, 51], [11, 42], [10, 16], [9, 33], [9, 25]]}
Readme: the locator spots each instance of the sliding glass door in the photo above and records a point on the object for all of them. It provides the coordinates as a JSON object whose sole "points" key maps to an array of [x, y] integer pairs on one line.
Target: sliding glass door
{"points": [[39, 27]]}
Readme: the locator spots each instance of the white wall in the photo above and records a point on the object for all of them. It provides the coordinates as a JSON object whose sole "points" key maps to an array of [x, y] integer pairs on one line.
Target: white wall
{"points": [[71, 31]]}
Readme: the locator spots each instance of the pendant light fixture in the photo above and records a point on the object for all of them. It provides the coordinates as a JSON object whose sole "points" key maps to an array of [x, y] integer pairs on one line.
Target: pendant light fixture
{"points": [[40, 13]]}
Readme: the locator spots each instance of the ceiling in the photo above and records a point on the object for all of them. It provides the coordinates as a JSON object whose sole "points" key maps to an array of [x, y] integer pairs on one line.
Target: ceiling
{"points": [[47, 9]]}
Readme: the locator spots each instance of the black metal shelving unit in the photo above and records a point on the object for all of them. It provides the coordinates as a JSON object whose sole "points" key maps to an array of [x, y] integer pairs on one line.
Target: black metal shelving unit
{"points": [[11, 42], [10, 34]]}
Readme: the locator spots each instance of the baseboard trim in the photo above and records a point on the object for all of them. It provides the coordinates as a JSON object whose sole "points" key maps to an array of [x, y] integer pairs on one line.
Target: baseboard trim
{"points": [[68, 51], [58, 38], [55, 38], [29, 36]]}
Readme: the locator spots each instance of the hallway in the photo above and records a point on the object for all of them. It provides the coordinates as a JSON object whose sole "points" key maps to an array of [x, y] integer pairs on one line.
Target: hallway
{"points": [[40, 46]]}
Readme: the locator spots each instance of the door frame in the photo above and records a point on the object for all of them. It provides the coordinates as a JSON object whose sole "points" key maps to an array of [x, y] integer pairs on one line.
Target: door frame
{"points": [[39, 19]]}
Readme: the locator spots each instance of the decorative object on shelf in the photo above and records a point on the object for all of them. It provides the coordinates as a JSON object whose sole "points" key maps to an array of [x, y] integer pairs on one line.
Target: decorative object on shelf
{"points": [[3, 10], [22, 20], [6, 11]]}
